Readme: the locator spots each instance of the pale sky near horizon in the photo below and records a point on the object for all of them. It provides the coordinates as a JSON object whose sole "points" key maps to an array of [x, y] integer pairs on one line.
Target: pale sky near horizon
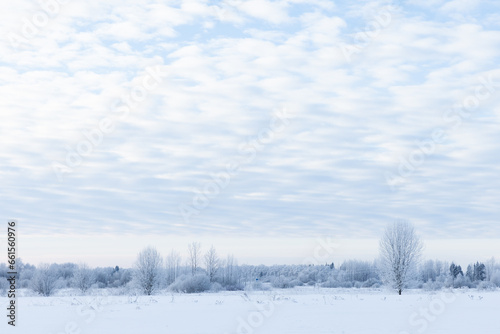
{"points": [[258, 126], [249, 250]]}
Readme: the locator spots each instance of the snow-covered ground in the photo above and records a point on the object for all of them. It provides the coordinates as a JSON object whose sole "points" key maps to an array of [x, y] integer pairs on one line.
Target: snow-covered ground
{"points": [[300, 310]]}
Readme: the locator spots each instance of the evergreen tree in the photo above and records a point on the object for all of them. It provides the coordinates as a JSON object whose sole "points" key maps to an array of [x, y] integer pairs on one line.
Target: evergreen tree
{"points": [[470, 273], [479, 271], [455, 270]]}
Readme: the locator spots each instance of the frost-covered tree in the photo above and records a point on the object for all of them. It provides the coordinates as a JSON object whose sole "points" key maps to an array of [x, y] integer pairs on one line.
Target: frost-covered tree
{"points": [[194, 250], [148, 270], [357, 271], [83, 278], [65, 270], [44, 280], [455, 270], [479, 271], [428, 271], [212, 263], [231, 274], [173, 264], [229, 269], [490, 268], [470, 273], [400, 250]]}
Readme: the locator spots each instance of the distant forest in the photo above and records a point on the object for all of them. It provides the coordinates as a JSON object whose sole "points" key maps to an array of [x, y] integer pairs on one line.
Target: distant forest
{"points": [[211, 273]]}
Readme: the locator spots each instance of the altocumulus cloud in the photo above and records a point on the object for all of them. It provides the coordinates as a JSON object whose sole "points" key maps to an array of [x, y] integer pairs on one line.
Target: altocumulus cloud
{"points": [[227, 68]]}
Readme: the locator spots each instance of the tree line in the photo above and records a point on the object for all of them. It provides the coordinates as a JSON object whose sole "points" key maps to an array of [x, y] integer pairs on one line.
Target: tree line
{"points": [[398, 267]]}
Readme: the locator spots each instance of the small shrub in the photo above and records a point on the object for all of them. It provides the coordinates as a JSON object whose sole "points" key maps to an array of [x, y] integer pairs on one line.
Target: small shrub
{"points": [[257, 285], [495, 279], [233, 286], [432, 285], [371, 282], [346, 284], [330, 284], [191, 284], [216, 287], [486, 285], [284, 283]]}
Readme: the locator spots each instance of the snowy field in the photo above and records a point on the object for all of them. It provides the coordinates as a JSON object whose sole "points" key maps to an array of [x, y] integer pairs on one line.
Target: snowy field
{"points": [[300, 310]]}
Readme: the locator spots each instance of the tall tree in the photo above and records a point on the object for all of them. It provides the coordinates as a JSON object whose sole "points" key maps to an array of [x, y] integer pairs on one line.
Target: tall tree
{"points": [[490, 268], [428, 271], [479, 271], [230, 271], [400, 250], [455, 271], [212, 263], [470, 273], [148, 270], [173, 263], [194, 250]]}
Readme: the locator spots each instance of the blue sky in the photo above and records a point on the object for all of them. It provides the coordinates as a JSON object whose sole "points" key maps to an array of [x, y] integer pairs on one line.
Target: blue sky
{"points": [[248, 120]]}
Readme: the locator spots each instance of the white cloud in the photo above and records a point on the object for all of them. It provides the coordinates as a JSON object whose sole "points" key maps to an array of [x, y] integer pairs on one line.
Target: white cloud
{"points": [[460, 5], [271, 11], [323, 174]]}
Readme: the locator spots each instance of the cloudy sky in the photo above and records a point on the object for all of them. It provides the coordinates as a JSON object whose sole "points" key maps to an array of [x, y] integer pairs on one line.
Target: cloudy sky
{"points": [[258, 126]]}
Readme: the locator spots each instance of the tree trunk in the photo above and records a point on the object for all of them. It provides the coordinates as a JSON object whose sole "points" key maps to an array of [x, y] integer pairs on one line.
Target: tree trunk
{"points": [[399, 292]]}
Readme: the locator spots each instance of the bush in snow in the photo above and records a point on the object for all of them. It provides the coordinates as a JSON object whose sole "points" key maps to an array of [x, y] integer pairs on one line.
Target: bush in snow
{"points": [[330, 284], [191, 284], [495, 279], [372, 283], [83, 278], [432, 285], [216, 287], [44, 280], [233, 285], [346, 284], [284, 282], [258, 286], [486, 285]]}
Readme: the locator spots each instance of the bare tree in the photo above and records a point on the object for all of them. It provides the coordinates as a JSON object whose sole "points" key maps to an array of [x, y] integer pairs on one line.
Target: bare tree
{"points": [[148, 270], [194, 249], [83, 278], [229, 271], [490, 267], [44, 280], [212, 263], [400, 250], [231, 275], [173, 263]]}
